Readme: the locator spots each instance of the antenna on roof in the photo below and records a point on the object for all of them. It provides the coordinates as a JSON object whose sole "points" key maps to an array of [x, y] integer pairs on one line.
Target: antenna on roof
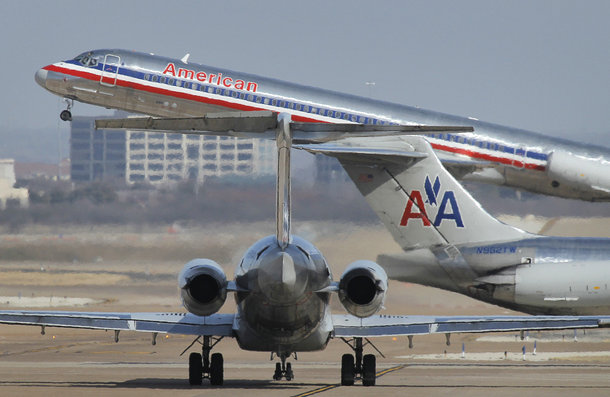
{"points": [[185, 58]]}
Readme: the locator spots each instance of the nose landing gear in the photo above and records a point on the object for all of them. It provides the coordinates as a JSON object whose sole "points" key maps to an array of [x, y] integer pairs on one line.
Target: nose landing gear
{"points": [[66, 115], [283, 370]]}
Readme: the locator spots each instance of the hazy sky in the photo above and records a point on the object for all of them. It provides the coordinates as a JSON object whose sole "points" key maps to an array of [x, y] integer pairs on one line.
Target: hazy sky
{"points": [[539, 65]]}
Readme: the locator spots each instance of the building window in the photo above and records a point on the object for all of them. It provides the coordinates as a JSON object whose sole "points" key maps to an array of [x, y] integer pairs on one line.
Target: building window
{"points": [[192, 152]]}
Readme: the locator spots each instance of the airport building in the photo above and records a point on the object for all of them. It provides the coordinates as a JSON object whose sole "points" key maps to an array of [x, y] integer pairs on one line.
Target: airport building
{"points": [[157, 158], [8, 193], [96, 155], [329, 170], [160, 158]]}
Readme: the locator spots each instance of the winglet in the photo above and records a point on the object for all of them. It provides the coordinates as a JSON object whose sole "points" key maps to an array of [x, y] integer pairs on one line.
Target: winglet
{"points": [[185, 58]]}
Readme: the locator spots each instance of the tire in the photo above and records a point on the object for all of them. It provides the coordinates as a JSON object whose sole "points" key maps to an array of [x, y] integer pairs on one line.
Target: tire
{"points": [[277, 375], [289, 374], [65, 115], [368, 370], [195, 369], [216, 369], [347, 370]]}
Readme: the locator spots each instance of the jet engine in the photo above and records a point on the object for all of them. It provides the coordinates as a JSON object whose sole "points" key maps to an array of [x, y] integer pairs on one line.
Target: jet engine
{"points": [[362, 288], [203, 286], [578, 171]]}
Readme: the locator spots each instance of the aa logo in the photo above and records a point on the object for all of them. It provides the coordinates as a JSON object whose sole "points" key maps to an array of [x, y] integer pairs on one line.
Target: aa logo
{"points": [[440, 208]]}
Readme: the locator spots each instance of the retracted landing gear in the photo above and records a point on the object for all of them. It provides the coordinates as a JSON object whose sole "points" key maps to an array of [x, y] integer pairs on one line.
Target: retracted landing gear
{"points": [[354, 367], [66, 115], [283, 370], [202, 367]]}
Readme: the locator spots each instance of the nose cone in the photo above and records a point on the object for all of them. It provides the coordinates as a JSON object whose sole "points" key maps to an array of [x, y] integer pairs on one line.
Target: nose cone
{"points": [[41, 77]]}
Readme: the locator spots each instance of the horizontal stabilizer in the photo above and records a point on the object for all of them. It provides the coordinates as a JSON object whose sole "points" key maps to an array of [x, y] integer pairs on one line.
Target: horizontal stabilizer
{"points": [[361, 153]]}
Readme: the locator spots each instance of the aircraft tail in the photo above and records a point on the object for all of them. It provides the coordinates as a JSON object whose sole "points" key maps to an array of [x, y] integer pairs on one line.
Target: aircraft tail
{"points": [[420, 203]]}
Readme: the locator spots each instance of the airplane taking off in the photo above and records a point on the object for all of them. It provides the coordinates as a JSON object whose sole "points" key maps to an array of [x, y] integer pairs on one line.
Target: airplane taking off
{"points": [[165, 87], [283, 284], [450, 242]]}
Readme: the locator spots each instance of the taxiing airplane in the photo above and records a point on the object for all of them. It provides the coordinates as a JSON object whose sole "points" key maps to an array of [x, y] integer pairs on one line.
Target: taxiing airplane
{"points": [[159, 86], [283, 284], [450, 242]]}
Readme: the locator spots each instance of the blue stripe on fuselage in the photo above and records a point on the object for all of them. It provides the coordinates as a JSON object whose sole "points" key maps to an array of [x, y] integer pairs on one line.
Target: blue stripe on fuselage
{"points": [[492, 146]]}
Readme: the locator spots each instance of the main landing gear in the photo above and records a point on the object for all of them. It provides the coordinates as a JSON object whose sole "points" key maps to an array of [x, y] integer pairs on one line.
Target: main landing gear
{"points": [[201, 366], [66, 115], [358, 367], [283, 370]]}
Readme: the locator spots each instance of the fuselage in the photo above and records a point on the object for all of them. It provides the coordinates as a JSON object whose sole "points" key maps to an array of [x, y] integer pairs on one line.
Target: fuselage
{"points": [[159, 86], [539, 275], [280, 306]]}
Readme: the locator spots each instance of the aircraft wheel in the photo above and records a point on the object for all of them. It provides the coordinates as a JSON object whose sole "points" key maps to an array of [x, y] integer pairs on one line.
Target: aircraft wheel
{"points": [[347, 370], [66, 115], [368, 370], [195, 369], [216, 369], [289, 374], [277, 375]]}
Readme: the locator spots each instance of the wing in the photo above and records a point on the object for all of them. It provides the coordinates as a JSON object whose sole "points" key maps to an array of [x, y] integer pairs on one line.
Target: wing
{"points": [[168, 323], [345, 325], [264, 124], [350, 326]]}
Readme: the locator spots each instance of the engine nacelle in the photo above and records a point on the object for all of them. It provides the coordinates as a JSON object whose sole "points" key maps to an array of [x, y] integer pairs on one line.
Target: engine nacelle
{"points": [[578, 171], [362, 288], [203, 286]]}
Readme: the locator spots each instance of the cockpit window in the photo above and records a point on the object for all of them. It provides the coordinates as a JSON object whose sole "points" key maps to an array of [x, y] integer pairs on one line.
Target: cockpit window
{"points": [[87, 59]]}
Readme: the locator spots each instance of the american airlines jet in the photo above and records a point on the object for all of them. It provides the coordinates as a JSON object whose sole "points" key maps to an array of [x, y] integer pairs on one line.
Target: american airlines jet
{"points": [[283, 284], [165, 87], [449, 241]]}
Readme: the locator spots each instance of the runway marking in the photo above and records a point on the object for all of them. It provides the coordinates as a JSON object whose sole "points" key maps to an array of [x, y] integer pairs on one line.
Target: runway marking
{"points": [[330, 387], [318, 390], [120, 352], [387, 371]]}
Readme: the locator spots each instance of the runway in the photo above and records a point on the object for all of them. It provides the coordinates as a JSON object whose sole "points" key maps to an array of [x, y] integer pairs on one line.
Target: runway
{"points": [[68, 362], [125, 374]]}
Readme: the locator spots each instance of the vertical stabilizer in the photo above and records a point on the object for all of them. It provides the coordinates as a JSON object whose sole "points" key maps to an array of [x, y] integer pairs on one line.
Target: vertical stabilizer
{"points": [[418, 200], [282, 195]]}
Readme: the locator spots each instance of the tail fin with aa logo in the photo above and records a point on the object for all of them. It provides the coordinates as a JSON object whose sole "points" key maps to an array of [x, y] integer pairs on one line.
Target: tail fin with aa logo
{"points": [[417, 199]]}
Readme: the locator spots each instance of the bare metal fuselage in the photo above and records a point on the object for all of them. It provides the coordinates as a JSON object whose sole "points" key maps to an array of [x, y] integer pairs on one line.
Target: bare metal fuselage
{"points": [[146, 83], [283, 310], [543, 275]]}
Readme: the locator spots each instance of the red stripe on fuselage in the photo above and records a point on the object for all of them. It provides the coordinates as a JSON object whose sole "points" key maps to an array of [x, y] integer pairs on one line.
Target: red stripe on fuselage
{"points": [[237, 106], [170, 93], [488, 157]]}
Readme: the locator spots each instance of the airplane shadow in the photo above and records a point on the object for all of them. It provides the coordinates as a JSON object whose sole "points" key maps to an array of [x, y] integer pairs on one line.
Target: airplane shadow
{"points": [[165, 383], [243, 384]]}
